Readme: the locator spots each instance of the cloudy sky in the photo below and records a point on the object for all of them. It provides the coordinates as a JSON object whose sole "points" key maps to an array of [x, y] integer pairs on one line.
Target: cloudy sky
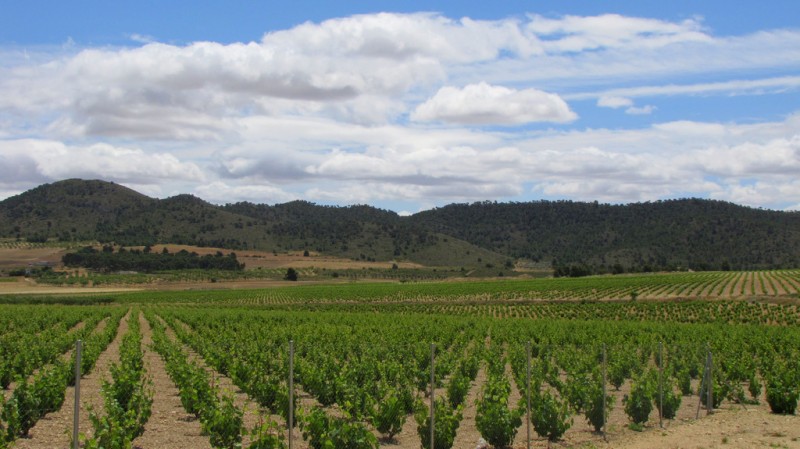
{"points": [[406, 105]]}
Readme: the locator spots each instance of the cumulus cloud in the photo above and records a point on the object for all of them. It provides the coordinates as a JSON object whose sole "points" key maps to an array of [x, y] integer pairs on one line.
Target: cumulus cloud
{"points": [[484, 104], [340, 111], [51, 160]]}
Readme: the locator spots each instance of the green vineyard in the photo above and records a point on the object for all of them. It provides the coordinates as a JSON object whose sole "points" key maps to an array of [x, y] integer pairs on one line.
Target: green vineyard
{"points": [[576, 360]]}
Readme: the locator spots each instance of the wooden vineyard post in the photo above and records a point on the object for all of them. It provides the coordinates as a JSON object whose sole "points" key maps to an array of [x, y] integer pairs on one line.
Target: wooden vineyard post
{"points": [[661, 384], [700, 392], [77, 410], [710, 403], [433, 387], [290, 421], [528, 393], [604, 393]]}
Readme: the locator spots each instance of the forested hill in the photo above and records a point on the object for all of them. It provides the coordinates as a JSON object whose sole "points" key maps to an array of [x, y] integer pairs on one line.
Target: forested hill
{"points": [[695, 233], [698, 234]]}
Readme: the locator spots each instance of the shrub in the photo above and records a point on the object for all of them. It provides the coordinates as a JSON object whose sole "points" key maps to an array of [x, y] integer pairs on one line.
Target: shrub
{"points": [[550, 416], [782, 391], [267, 436], [445, 424], [388, 416], [325, 432], [494, 420], [594, 405], [223, 424], [754, 387], [457, 389], [638, 404], [672, 399]]}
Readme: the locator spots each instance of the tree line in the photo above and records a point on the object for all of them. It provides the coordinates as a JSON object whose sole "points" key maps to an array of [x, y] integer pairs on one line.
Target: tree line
{"points": [[145, 260]]}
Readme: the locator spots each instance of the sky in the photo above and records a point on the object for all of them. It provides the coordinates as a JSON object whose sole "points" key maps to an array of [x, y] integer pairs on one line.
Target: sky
{"points": [[405, 105]]}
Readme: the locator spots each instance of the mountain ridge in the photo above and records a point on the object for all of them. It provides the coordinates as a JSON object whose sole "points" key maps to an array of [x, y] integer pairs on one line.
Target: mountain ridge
{"points": [[669, 234]]}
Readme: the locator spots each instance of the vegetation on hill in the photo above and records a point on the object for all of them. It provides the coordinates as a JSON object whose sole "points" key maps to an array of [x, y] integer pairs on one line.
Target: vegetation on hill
{"points": [[573, 238], [146, 261], [590, 237]]}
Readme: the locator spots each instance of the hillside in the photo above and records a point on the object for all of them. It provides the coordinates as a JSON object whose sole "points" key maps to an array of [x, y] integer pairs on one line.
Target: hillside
{"points": [[77, 210], [693, 233], [675, 234]]}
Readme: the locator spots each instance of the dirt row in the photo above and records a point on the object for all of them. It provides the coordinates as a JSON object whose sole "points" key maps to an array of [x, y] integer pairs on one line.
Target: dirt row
{"points": [[54, 430]]}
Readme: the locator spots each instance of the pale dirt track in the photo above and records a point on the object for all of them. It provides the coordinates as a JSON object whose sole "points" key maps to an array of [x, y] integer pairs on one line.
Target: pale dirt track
{"points": [[169, 426]]}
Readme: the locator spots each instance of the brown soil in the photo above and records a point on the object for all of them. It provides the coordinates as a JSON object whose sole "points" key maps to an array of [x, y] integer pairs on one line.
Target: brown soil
{"points": [[26, 286], [265, 259], [252, 413], [169, 425], [23, 256], [467, 435], [54, 429]]}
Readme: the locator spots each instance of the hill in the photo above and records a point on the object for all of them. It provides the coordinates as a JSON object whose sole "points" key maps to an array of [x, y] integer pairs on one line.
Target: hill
{"points": [[687, 233], [675, 234], [77, 210]]}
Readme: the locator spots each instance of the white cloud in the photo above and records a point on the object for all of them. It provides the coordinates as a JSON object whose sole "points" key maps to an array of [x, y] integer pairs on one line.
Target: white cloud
{"points": [[735, 87], [483, 104], [614, 102], [221, 193], [640, 110], [52, 160], [575, 33]]}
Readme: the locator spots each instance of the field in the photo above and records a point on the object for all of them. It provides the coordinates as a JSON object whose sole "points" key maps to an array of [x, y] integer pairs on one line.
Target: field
{"points": [[211, 368]]}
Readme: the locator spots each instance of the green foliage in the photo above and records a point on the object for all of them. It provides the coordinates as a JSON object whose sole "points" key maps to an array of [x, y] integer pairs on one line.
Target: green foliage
{"points": [[389, 415], [754, 386], [638, 404], [672, 399], [457, 389], [720, 392], [223, 423], [783, 390], [494, 420], [268, 435], [685, 382], [446, 424], [326, 432], [550, 416], [128, 397], [148, 262], [291, 274], [593, 408]]}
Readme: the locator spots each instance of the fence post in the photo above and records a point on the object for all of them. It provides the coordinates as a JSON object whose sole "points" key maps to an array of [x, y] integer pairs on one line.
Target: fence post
{"points": [[290, 422], [433, 387], [661, 384], [700, 391], [604, 392], [528, 393], [77, 410], [710, 404]]}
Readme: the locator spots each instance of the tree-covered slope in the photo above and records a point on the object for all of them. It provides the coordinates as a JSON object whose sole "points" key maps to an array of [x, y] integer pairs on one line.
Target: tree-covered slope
{"points": [[689, 233], [683, 233]]}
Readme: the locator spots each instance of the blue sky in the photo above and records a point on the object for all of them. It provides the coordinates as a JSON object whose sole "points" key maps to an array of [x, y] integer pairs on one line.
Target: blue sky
{"points": [[405, 105]]}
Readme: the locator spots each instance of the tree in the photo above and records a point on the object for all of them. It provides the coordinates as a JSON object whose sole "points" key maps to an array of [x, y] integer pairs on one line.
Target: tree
{"points": [[291, 275]]}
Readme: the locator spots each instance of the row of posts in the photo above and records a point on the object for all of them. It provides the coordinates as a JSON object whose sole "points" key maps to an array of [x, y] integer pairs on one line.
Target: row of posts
{"points": [[705, 385]]}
